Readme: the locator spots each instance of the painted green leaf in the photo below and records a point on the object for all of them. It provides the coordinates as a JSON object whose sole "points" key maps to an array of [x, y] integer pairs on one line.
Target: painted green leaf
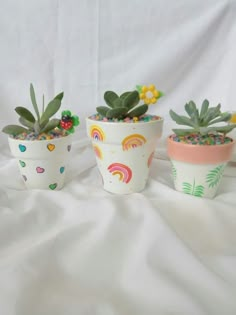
{"points": [[33, 100], [214, 176], [174, 171], [192, 189], [25, 113]]}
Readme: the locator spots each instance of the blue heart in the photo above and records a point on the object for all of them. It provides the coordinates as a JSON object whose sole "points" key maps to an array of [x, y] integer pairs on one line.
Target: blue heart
{"points": [[62, 169], [22, 148]]}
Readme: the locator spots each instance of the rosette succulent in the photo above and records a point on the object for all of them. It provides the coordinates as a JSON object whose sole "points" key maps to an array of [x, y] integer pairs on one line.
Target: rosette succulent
{"points": [[201, 121], [127, 104], [42, 123]]}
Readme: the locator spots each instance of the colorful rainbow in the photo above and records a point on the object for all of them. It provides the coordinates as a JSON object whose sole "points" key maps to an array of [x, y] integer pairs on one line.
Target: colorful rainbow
{"points": [[123, 171], [97, 133], [133, 141], [97, 151]]}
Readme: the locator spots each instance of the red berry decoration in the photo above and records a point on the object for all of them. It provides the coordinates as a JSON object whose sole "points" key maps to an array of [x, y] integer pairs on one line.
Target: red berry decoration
{"points": [[68, 121]]}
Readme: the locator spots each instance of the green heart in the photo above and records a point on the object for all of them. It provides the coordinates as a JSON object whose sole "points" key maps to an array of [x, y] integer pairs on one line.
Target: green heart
{"points": [[22, 163], [53, 186]]}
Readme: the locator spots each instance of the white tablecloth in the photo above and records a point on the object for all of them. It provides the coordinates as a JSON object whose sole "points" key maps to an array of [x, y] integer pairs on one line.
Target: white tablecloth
{"points": [[82, 250]]}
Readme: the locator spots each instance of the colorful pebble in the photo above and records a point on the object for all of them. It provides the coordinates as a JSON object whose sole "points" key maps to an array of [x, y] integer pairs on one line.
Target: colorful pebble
{"points": [[144, 118], [57, 133], [202, 140]]}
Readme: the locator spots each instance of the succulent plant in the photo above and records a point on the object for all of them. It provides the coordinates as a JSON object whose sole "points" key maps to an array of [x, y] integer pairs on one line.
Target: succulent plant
{"points": [[201, 121], [39, 124], [126, 105]]}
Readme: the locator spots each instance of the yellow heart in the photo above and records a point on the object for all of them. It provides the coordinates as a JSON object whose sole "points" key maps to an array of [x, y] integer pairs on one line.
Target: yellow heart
{"points": [[51, 147]]}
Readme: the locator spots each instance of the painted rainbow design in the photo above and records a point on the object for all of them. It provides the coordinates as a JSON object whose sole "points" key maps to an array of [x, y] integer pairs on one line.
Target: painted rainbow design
{"points": [[123, 171], [133, 141], [97, 151], [97, 133]]}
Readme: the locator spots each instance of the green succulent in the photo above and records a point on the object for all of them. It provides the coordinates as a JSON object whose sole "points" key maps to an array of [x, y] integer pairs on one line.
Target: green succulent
{"points": [[41, 123], [122, 106], [201, 121]]}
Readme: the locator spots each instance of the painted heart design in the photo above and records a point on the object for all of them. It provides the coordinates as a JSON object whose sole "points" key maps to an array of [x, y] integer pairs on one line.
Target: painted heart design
{"points": [[24, 177], [22, 163], [51, 147], [53, 186], [22, 148], [40, 170], [69, 147], [62, 169]]}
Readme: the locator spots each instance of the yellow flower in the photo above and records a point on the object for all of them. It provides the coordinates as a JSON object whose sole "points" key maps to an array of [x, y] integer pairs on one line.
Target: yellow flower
{"points": [[149, 94], [233, 119]]}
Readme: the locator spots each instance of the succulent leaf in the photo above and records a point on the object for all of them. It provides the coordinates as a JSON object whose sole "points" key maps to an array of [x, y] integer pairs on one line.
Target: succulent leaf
{"points": [[53, 123], [123, 95], [14, 129], [131, 100], [224, 117], [202, 122], [138, 111], [110, 97], [59, 96], [117, 103], [181, 120], [204, 109], [102, 110], [51, 109], [25, 113], [116, 112], [33, 100], [26, 123]]}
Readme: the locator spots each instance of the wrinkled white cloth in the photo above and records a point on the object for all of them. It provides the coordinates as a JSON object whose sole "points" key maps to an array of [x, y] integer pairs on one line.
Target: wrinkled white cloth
{"points": [[83, 250]]}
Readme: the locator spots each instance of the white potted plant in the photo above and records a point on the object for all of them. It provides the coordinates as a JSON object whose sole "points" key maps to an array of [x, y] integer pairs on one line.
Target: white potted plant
{"points": [[124, 138], [199, 154], [42, 144]]}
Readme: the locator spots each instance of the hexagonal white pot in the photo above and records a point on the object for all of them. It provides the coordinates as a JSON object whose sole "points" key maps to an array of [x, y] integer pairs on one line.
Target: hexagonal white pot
{"points": [[124, 152], [42, 163], [197, 169]]}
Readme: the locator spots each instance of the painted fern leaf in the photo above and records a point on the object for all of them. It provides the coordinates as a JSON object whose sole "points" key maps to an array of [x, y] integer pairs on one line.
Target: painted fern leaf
{"points": [[174, 172], [195, 190], [214, 176]]}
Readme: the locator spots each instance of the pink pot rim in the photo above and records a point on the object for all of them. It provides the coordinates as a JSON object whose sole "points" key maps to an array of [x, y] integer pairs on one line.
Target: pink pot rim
{"points": [[199, 154]]}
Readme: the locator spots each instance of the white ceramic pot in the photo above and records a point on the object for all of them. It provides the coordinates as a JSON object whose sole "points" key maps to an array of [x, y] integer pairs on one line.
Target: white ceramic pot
{"points": [[42, 163], [197, 169], [124, 152]]}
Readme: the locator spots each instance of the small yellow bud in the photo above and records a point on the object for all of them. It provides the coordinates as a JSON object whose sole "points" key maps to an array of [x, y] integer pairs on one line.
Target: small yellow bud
{"points": [[156, 93], [153, 100], [147, 100], [142, 96], [152, 87], [144, 88], [233, 119]]}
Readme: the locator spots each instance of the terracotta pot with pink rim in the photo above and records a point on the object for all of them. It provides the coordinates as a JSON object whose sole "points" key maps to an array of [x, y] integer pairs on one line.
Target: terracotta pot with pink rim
{"points": [[199, 155]]}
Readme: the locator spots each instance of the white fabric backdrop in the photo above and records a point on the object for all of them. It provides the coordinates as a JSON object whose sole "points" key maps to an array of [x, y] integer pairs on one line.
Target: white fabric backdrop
{"points": [[82, 250]]}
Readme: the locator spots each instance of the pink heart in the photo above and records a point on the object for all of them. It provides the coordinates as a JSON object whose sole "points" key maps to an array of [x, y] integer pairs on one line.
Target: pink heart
{"points": [[40, 170]]}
